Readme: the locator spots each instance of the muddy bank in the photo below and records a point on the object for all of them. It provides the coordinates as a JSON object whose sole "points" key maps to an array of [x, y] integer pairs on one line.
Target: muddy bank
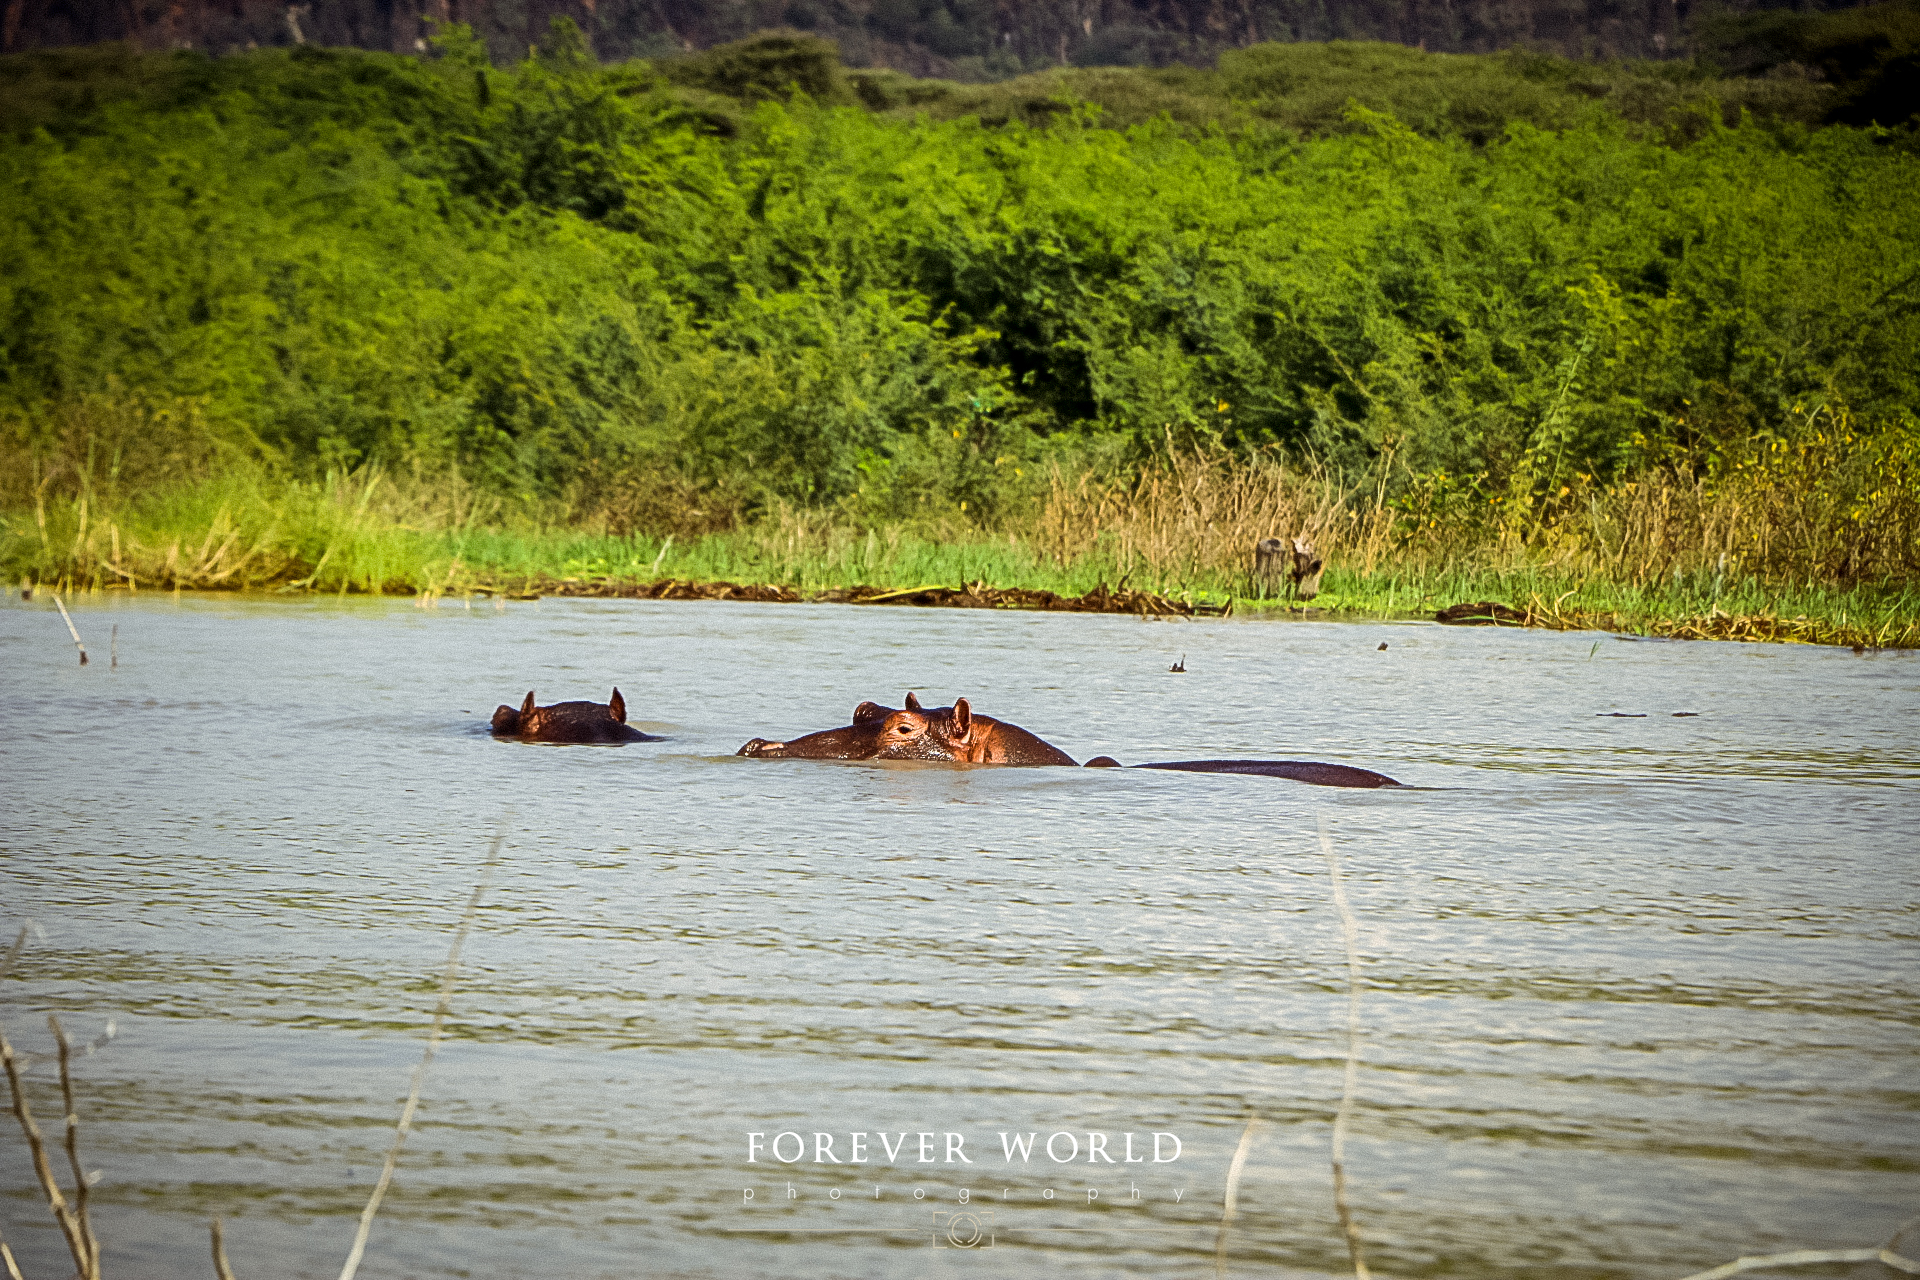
{"points": [[977, 595]]}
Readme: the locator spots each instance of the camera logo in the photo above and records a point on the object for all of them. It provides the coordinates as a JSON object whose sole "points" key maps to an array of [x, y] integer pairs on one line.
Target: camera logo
{"points": [[963, 1229]]}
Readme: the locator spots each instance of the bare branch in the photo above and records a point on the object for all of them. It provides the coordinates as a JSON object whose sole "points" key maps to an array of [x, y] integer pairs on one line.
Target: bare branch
{"points": [[69, 1226], [91, 1270]]}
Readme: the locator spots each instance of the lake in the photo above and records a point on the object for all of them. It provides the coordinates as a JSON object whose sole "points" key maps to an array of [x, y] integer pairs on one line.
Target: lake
{"points": [[1638, 992]]}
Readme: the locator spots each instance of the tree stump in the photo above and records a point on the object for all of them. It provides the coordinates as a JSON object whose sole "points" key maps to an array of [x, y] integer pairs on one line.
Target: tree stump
{"points": [[1269, 561]]}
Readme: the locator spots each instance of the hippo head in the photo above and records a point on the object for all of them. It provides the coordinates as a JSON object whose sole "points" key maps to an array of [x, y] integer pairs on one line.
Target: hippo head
{"points": [[858, 741], [568, 722], [941, 733], [507, 721]]}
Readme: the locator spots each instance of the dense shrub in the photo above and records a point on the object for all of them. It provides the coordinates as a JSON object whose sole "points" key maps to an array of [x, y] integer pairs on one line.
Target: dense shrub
{"points": [[716, 277]]}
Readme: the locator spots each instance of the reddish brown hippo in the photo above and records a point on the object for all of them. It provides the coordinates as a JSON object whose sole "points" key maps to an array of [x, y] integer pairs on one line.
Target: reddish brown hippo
{"points": [[568, 722], [952, 734], [957, 735]]}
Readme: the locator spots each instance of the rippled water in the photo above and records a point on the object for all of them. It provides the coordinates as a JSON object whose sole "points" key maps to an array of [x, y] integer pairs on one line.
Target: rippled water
{"points": [[1637, 994]]}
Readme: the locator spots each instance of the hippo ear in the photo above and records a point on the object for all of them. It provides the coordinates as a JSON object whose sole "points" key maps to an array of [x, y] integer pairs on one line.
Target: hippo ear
{"points": [[618, 707], [962, 720], [526, 708], [868, 712], [913, 703]]}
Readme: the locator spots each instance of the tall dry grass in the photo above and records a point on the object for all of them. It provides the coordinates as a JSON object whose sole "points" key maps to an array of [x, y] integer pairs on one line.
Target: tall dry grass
{"points": [[1194, 518], [1832, 504]]}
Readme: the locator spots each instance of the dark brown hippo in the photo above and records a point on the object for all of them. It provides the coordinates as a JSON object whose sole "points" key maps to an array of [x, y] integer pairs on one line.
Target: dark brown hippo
{"points": [[568, 722], [857, 741], [956, 735], [1309, 771]]}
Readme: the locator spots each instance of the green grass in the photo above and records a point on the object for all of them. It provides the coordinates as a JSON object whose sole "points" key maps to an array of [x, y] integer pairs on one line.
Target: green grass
{"points": [[313, 538]]}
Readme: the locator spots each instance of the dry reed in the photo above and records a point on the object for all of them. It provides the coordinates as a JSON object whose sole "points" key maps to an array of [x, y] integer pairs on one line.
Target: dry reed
{"points": [[221, 1269], [1196, 516], [1808, 1258], [1231, 1205], [426, 1059], [1884, 1254], [1349, 929]]}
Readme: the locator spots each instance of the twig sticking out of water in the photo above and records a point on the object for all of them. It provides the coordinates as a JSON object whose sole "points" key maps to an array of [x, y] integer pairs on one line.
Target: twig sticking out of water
{"points": [[1349, 927], [77, 1233], [1810, 1257], [1233, 1196], [13, 1268], [420, 1072], [220, 1267], [73, 1150], [71, 630]]}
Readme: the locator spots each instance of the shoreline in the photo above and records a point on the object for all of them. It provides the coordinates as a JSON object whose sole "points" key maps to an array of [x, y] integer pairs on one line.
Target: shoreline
{"points": [[1529, 611]]}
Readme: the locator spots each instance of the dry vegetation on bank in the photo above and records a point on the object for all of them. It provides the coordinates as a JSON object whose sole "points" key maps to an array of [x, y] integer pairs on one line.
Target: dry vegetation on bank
{"points": [[1810, 538]]}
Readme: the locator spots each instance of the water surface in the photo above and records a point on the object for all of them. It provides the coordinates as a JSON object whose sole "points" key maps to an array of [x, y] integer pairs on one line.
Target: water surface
{"points": [[1638, 995]]}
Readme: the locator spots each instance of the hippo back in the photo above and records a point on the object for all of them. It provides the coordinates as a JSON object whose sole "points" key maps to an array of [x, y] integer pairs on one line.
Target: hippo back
{"points": [[1308, 771], [1010, 744]]}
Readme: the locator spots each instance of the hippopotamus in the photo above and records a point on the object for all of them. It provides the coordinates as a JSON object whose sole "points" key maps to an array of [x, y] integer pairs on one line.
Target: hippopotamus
{"points": [[953, 734], [1312, 772], [857, 741], [568, 722], [957, 735]]}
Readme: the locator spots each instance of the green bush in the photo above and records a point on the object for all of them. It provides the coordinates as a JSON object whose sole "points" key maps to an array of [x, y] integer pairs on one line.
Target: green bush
{"points": [[715, 285]]}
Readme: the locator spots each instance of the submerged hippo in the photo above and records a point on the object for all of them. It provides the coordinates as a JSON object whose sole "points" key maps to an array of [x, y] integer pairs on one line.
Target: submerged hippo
{"points": [[957, 735], [953, 734], [568, 722], [857, 741], [1308, 771]]}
